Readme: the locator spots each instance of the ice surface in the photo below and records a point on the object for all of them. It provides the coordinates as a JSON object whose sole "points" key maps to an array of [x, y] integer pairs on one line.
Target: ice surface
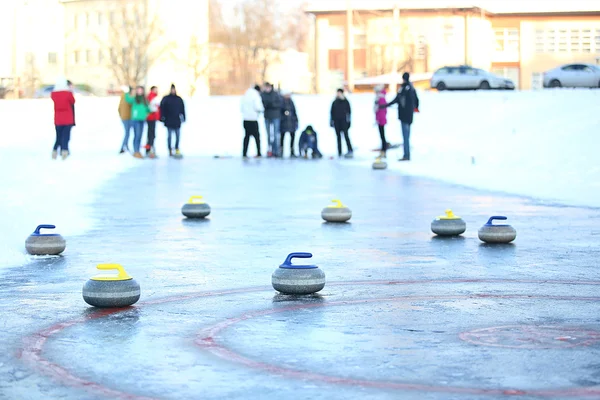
{"points": [[541, 144]]}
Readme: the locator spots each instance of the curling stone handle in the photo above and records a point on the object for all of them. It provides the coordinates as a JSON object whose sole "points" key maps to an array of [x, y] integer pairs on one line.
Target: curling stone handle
{"points": [[288, 260], [338, 203], [449, 213], [496, 217], [37, 230], [193, 198], [122, 275]]}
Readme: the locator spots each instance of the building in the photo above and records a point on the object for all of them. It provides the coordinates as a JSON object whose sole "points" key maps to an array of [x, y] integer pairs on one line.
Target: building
{"points": [[32, 53], [110, 43], [519, 40]]}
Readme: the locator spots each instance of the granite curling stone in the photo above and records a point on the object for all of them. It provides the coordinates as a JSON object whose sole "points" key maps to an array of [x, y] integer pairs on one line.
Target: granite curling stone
{"points": [[298, 279], [119, 290], [45, 244], [336, 213], [448, 225], [195, 208], [379, 163], [490, 233]]}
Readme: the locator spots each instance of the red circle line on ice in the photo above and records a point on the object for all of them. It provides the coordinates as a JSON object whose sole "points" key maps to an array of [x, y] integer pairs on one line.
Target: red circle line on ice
{"points": [[33, 345]]}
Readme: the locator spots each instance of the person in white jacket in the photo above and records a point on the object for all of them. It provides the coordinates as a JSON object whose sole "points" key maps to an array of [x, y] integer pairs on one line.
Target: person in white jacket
{"points": [[252, 107]]}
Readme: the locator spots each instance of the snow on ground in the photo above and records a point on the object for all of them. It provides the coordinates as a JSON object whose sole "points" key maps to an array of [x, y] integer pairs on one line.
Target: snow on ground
{"points": [[35, 189], [541, 144]]}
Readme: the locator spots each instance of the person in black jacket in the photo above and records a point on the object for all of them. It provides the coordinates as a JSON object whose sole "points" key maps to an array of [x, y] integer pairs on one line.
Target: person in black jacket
{"points": [[408, 103], [340, 120], [289, 121], [172, 114], [272, 102]]}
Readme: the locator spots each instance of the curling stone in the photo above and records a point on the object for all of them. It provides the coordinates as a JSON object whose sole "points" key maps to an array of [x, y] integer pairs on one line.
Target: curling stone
{"points": [[448, 225], [119, 290], [195, 208], [336, 213], [379, 163], [45, 244], [490, 233], [298, 279]]}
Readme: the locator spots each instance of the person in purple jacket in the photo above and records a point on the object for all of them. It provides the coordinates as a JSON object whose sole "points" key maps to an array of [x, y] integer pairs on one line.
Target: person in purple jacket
{"points": [[381, 116]]}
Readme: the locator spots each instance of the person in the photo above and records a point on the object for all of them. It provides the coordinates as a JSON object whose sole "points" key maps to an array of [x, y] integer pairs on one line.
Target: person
{"points": [[64, 117], [272, 103], [289, 121], [172, 114], [381, 116], [125, 114], [154, 116], [251, 107], [139, 112], [308, 140], [408, 103], [340, 121]]}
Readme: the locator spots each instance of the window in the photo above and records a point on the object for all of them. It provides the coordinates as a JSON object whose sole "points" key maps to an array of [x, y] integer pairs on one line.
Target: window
{"points": [[550, 43], [52, 58], [87, 19], [336, 37], [88, 56], [421, 47], [507, 40], [539, 41], [575, 43], [572, 67], [76, 57], [586, 41], [562, 41], [100, 56], [75, 21], [100, 18], [448, 33], [111, 17]]}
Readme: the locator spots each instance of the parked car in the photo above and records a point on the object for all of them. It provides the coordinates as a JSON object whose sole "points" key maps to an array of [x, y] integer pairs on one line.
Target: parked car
{"points": [[465, 77], [573, 75], [46, 90]]}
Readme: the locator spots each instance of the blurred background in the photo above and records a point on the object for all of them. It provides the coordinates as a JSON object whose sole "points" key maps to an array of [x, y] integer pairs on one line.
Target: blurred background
{"points": [[221, 47]]}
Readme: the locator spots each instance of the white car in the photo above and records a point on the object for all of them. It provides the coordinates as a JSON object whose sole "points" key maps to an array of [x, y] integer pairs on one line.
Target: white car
{"points": [[465, 77], [573, 75]]}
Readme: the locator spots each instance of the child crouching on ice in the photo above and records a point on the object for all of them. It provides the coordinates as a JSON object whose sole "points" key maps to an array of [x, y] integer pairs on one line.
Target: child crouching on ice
{"points": [[308, 140]]}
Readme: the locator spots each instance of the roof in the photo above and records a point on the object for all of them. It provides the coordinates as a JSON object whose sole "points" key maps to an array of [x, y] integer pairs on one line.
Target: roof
{"points": [[494, 6]]}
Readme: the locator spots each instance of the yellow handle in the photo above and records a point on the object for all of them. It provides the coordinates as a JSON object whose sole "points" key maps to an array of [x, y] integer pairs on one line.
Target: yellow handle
{"points": [[449, 215], [191, 200], [338, 204], [122, 275], [378, 159]]}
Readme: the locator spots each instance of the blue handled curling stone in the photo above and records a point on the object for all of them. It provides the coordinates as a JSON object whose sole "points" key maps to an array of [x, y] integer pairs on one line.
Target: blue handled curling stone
{"points": [[379, 163], [336, 213], [45, 244], [195, 208], [298, 279], [119, 290], [490, 233], [448, 225]]}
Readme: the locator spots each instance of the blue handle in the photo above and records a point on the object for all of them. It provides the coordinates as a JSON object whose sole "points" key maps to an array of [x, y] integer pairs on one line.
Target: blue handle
{"points": [[37, 230], [288, 260], [496, 217]]}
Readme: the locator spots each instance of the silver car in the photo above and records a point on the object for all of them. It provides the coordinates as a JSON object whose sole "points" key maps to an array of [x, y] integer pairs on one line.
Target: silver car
{"points": [[573, 75], [465, 77]]}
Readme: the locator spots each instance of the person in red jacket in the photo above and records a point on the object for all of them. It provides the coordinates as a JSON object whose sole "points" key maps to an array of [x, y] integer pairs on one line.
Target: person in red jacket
{"points": [[64, 117], [154, 103]]}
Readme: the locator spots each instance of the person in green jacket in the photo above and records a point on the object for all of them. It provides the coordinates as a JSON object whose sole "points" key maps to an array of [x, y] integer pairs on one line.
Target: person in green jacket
{"points": [[139, 112]]}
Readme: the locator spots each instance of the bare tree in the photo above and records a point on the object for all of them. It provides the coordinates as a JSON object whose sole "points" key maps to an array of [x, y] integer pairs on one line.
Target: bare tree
{"points": [[31, 75], [254, 37], [197, 62], [134, 42]]}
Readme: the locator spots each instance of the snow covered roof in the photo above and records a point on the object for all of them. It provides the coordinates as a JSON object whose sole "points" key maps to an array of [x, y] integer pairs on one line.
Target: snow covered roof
{"points": [[390, 78], [493, 6]]}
